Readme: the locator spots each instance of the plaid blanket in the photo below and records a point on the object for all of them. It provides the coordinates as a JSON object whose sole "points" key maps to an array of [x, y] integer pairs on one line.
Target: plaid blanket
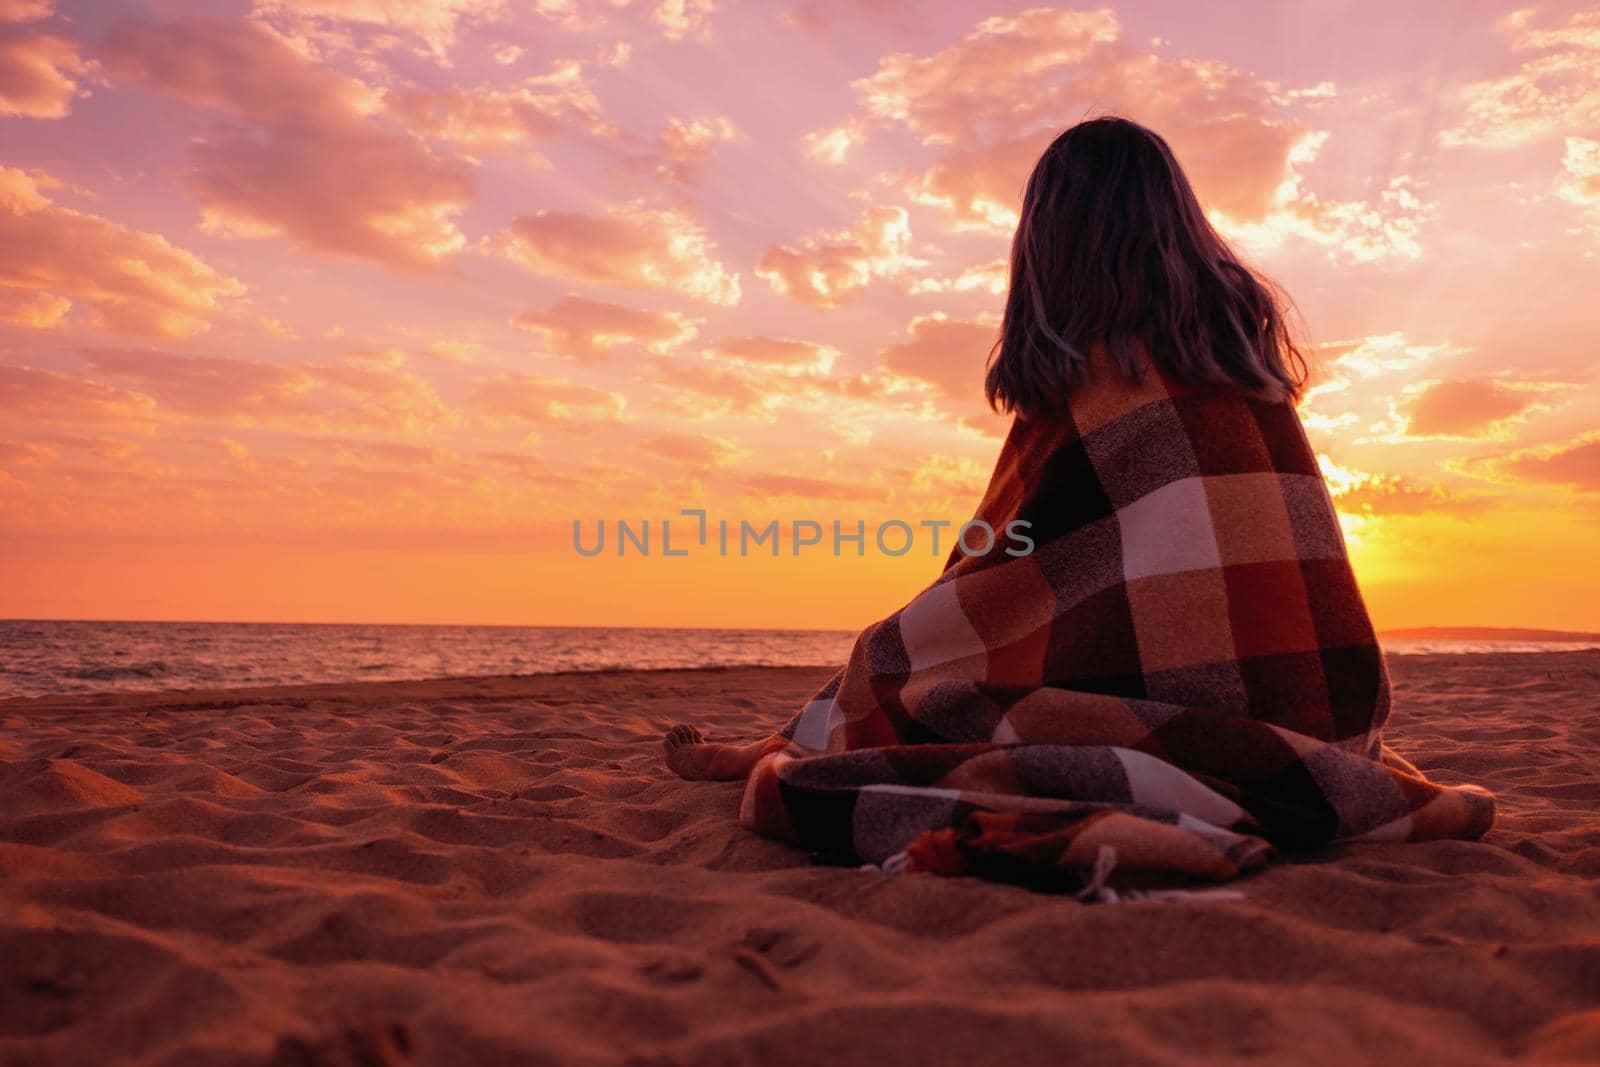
{"points": [[1179, 678]]}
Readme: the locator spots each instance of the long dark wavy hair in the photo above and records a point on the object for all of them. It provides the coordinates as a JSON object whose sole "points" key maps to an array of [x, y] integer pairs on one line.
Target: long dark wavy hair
{"points": [[1112, 248]]}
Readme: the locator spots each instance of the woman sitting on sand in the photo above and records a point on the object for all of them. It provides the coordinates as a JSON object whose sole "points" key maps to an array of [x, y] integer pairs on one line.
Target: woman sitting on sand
{"points": [[1182, 675]]}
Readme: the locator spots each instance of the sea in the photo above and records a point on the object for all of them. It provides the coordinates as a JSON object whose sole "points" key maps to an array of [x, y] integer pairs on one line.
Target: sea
{"points": [[45, 657]]}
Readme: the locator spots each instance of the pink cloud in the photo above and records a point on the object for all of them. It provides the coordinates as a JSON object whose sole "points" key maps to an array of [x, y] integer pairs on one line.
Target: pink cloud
{"points": [[316, 164], [1553, 90], [631, 247], [499, 119], [683, 149], [25, 10], [53, 258], [826, 270], [431, 25], [592, 330]]}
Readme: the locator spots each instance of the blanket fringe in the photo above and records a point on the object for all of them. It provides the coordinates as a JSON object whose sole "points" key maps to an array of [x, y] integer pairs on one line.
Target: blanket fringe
{"points": [[1095, 889]]}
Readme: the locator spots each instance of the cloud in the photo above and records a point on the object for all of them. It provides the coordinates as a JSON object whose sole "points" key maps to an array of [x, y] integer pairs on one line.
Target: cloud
{"points": [[991, 277], [680, 18], [1356, 383], [778, 486], [25, 10], [1575, 464], [995, 97], [53, 258], [700, 451], [26, 393], [1579, 180], [948, 354], [701, 389], [1365, 494], [830, 269], [989, 103], [313, 161], [1554, 91], [782, 353], [249, 392], [631, 246], [831, 147], [497, 119], [1469, 408], [32, 311], [40, 67], [430, 26], [592, 330], [684, 148], [530, 399]]}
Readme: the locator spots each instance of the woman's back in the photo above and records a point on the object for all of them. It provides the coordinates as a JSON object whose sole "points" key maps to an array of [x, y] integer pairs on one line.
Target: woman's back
{"points": [[1193, 555]]}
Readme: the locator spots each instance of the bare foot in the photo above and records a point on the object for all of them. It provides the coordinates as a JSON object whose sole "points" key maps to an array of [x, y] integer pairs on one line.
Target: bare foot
{"points": [[691, 756]]}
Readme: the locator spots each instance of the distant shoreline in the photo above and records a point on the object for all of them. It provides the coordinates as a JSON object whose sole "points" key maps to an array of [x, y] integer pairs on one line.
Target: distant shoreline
{"points": [[1407, 633], [503, 687], [1484, 633]]}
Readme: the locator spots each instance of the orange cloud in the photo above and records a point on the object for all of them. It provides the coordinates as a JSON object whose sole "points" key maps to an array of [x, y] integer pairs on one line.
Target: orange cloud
{"points": [[585, 329], [1575, 464], [700, 389], [32, 311], [990, 103], [126, 281], [351, 393], [778, 486], [829, 269], [630, 246], [777, 352], [316, 165], [1466, 408], [1360, 494], [699, 451], [40, 68], [948, 354], [995, 97], [531, 399], [26, 393]]}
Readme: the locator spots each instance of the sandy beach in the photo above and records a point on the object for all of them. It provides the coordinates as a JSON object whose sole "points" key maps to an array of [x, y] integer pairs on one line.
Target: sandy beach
{"points": [[501, 871]]}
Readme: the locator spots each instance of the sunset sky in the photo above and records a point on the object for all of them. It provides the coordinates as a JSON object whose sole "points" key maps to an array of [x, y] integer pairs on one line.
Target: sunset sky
{"points": [[344, 310]]}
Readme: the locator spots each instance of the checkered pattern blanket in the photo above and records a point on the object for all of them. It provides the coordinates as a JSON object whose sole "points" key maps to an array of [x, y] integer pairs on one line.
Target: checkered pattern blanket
{"points": [[1182, 672]]}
